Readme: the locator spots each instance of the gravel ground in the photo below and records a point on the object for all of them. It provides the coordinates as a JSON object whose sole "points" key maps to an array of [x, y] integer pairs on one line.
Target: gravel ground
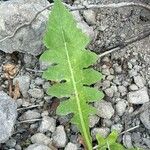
{"points": [[126, 85]]}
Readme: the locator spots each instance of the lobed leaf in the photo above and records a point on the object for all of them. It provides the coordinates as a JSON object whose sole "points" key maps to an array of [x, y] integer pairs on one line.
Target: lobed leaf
{"points": [[66, 51]]}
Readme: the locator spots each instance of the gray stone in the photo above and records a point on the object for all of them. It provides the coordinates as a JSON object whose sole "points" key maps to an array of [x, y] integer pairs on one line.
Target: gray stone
{"points": [[110, 77], [89, 16], [30, 114], [117, 127], [93, 120], [117, 69], [109, 92], [121, 107], [106, 71], [83, 25], [59, 137], [107, 123], [147, 142], [36, 93], [136, 137], [41, 138], [29, 60], [47, 124], [139, 81], [122, 90], [138, 97], [38, 147], [86, 29], [145, 118], [127, 141], [103, 131], [8, 115], [104, 109], [11, 143], [46, 85], [133, 87], [19, 102], [17, 12], [24, 83], [18, 147], [71, 146], [105, 84], [39, 81]]}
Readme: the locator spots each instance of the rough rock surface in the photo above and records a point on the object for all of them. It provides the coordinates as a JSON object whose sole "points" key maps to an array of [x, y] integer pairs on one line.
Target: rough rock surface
{"points": [[38, 147], [29, 38], [138, 97], [15, 13], [8, 115]]}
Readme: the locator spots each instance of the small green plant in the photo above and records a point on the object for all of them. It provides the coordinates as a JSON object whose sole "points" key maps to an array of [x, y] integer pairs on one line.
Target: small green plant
{"points": [[72, 73], [109, 143], [66, 51]]}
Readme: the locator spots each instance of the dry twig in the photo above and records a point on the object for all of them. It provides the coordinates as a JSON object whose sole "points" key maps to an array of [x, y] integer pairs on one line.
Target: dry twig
{"points": [[139, 37], [131, 129], [30, 107], [29, 121]]}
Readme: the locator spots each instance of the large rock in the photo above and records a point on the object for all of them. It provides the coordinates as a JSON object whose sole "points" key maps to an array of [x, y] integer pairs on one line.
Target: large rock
{"points": [[29, 38], [8, 115]]}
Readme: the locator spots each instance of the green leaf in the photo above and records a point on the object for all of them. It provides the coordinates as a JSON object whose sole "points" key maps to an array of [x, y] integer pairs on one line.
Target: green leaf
{"points": [[116, 146], [112, 138], [71, 70], [101, 141], [109, 143]]}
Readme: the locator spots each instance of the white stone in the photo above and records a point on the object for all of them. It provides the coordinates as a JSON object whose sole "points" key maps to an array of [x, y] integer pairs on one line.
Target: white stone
{"points": [[138, 97], [121, 107], [93, 120], [90, 16], [139, 81], [41, 138], [71, 146], [47, 124], [59, 137], [104, 109], [38, 147], [104, 131]]}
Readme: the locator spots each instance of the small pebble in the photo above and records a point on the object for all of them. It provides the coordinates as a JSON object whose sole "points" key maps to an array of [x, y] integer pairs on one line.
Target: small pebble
{"points": [[30, 114], [121, 107], [41, 138], [90, 16], [127, 141], [109, 92], [105, 84], [47, 124], [93, 120], [104, 109], [139, 81], [36, 93], [59, 137], [133, 87], [103, 131], [117, 127], [106, 71], [122, 90], [138, 97], [71, 146], [38, 147]]}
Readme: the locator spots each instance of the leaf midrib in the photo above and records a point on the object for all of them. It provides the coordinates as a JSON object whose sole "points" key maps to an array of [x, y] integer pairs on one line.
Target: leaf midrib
{"points": [[83, 125]]}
